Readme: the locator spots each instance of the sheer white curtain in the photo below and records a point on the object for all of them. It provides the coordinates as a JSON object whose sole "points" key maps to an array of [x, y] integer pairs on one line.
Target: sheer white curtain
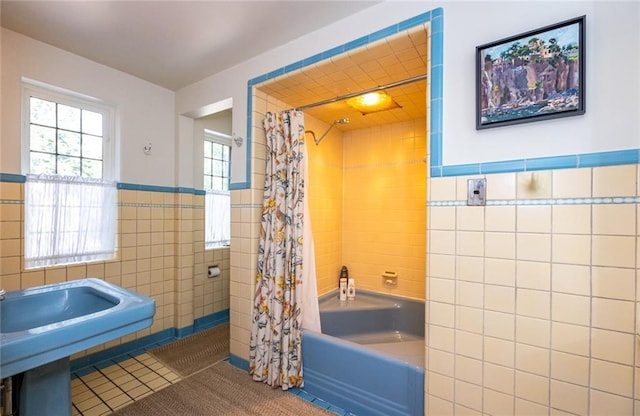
{"points": [[69, 219], [217, 205]]}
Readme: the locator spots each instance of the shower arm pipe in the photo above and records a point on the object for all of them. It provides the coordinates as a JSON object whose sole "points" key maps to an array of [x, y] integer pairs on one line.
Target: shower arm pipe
{"points": [[339, 121], [355, 94]]}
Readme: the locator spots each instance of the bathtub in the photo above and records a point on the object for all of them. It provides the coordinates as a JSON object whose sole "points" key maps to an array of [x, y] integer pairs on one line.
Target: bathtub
{"points": [[369, 358]]}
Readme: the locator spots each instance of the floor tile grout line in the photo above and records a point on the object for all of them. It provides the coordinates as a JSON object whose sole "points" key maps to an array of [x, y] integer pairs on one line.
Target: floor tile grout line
{"points": [[93, 391], [155, 372]]}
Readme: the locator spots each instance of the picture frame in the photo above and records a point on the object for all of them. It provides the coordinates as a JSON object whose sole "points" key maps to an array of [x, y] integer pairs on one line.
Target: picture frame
{"points": [[534, 76]]}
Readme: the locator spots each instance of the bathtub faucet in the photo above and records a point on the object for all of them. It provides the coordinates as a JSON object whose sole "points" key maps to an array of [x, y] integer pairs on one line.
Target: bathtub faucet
{"points": [[2, 293]]}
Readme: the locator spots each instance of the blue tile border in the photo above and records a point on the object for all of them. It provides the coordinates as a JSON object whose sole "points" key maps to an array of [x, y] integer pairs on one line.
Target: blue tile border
{"points": [[15, 178], [126, 350], [11, 177], [587, 160], [241, 363]]}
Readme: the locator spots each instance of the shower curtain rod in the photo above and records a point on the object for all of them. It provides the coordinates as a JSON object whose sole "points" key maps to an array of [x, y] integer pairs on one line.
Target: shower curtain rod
{"points": [[355, 94]]}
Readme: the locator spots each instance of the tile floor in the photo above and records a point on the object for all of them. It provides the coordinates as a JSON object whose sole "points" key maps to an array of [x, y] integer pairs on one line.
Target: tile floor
{"points": [[108, 386], [101, 389]]}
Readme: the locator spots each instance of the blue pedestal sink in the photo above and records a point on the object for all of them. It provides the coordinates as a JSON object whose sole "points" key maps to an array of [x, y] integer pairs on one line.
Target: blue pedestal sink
{"points": [[41, 327]]}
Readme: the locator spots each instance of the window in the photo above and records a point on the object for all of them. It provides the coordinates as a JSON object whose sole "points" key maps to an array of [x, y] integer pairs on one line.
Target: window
{"points": [[217, 156], [70, 199]]}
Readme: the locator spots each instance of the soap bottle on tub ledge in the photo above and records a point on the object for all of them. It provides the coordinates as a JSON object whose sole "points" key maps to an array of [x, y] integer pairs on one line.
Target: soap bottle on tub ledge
{"points": [[343, 282], [351, 288]]}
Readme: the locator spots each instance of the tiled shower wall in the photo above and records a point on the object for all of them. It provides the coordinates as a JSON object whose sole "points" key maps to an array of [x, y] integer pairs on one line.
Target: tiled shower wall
{"points": [[532, 299], [384, 226], [160, 254]]}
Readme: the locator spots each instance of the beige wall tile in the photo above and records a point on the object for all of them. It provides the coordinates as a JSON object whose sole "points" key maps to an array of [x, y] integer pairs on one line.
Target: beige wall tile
{"points": [[442, 218], [612, 378], [612, 346], [470, 243], [573, 339], [500, 218], [524, 407], [533, 275], [468, 369], [441, 290], [532, 359], [469, 294], [469, 319], [497, 377], [499, 351], [612, 282], [570, 368], [533, 331], [616, 315], [440, 265], [569, 397], [441, 314], [470, 268], [572, 309], [442, 242], [572, 183], [469, 395], [438, 406], [440, 386], [469, 344], [499, 298], [470, 218], [496, 403], [602, 403], [440, 338], [533, 247], [570, 278], [533, 218], [501, 186], [571, 249], [571, 219], [533, 303], [614, 219], [499, 325], [532, 387], [613, 251], [534, 185], [442, 189], [500, 245], [499, 271], [440, 362], [614, 181]]}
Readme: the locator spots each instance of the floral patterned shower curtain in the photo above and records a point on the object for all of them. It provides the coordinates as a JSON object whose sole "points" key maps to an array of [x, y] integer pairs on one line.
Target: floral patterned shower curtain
{"points": [[276, 337]]}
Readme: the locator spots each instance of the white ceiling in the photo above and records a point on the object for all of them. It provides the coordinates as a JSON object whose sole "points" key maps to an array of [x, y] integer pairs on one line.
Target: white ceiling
{"points": [[171, 43]]}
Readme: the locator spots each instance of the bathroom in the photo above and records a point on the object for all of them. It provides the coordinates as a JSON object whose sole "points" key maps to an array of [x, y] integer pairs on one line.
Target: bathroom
{"points": [[531, 306]]}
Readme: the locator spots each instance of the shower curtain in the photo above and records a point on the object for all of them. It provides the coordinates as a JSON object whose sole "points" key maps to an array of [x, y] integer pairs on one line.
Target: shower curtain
{"points": [[285, 278]]}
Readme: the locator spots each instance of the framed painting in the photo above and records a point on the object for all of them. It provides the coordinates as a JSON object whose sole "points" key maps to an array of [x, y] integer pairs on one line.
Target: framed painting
{"points": [[533, 76]]}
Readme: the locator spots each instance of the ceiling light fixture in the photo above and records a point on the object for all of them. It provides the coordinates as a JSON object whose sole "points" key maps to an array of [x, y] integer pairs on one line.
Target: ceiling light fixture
{"points": [[372, 102]]}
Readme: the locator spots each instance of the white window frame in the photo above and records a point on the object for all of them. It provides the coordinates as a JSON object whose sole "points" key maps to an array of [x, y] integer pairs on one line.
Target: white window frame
{"points": [[62, 96], [223, 139], [37, 89]]}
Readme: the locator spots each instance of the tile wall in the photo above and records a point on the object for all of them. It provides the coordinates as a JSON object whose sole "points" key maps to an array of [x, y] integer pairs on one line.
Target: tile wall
{"points": [[384, 226], [160, 254], [532, 299]]}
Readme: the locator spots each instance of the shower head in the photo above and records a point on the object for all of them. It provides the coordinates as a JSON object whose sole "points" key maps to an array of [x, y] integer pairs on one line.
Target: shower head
{"points": [[338, 121]]}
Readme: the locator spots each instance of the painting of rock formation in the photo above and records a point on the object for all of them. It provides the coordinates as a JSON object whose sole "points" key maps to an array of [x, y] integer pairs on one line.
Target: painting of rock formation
{"points": [[534, 76]]}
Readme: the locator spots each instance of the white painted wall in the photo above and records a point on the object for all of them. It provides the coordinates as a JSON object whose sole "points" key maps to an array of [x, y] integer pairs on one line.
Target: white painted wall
{"points": [[612, 68], [145, 111]]}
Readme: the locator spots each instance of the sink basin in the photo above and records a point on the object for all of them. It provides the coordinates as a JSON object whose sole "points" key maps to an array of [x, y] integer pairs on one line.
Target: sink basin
{"points": [[47, 323]]}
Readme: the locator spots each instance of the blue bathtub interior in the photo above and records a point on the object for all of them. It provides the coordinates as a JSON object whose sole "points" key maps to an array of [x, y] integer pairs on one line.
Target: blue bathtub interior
{"points": [[369, 358], [391, 325]]}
